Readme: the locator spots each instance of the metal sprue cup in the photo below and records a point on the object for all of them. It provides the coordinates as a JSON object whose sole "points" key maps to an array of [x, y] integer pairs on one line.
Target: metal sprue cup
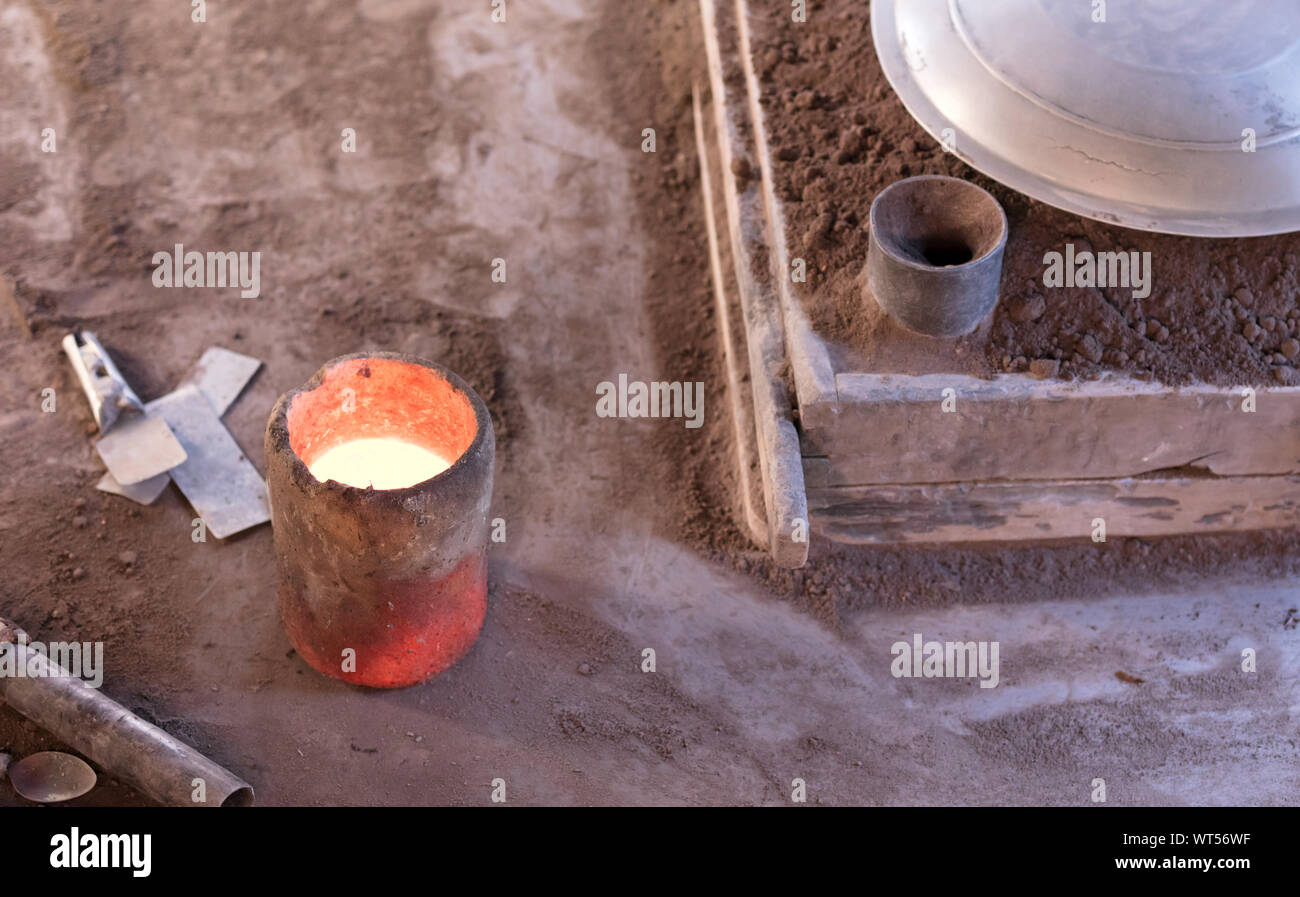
{"points": [[379, 470], [934, 261]]}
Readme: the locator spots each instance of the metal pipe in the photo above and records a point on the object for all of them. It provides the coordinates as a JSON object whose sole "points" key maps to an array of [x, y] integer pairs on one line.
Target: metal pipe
{"points": [[115, 739], [934, 261]]}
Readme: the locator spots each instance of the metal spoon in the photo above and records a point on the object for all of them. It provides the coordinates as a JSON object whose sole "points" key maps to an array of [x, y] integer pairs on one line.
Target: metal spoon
{"points": [[49, 776]]}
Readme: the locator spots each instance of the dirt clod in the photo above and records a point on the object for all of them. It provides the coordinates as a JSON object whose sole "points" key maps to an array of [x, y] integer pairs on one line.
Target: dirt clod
{"points": [[1090, 348], [1026, 308], [1044, 368]]}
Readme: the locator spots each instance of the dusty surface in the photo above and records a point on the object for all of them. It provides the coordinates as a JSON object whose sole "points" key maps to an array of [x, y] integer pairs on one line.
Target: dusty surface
{"points": [[1220, 311], [522, 141]]}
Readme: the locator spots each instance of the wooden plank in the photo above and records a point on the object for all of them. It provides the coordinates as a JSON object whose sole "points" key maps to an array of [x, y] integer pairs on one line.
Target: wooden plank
{"points": [[730, 328], [893, 429], [1005, 511], [810, 364], [778, 441]]}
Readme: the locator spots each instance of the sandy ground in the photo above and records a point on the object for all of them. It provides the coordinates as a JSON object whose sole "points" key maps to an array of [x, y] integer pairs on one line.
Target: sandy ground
{"points": [[479, 141]]}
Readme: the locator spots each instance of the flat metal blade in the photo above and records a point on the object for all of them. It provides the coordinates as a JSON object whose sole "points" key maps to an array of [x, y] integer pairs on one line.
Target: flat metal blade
{"points": [[139, 448], [145, 492], [217, 478], [221, 376]]}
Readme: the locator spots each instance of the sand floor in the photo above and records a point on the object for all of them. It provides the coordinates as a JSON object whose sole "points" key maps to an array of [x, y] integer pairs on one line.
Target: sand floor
{"points": [[479, 141]]}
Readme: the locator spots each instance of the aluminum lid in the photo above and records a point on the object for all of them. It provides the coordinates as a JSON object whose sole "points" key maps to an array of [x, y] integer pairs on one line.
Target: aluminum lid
{"points": [[1139, 120]]}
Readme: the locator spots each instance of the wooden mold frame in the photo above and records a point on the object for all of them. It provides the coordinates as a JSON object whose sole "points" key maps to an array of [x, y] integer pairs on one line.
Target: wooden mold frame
{"points": [[886, 460]]}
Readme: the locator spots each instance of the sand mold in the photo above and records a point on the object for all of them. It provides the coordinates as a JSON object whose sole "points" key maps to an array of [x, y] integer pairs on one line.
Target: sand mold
{"points": [[1220, 311]]}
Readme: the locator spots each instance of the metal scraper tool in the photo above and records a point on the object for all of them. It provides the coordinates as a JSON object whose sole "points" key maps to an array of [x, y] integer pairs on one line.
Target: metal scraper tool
{"points": [[221, 376], [105, 387], [214, 474], [133, 448]]}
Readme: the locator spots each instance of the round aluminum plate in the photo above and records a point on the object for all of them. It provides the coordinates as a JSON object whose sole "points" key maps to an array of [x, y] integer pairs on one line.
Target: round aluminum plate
{"points": [[1139, 120]]}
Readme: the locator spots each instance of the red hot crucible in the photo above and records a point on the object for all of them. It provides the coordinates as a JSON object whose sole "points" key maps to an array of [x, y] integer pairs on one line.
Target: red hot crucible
{"points": [[379, 471]]}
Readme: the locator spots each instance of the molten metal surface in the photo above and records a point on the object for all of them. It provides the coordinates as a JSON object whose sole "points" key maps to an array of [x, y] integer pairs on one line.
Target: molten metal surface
{"points": [[384, 463], [375, 398]]}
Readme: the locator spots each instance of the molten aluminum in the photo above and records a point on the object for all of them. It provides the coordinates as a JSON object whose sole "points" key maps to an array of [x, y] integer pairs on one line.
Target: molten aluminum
{"points": [[384, 463]]}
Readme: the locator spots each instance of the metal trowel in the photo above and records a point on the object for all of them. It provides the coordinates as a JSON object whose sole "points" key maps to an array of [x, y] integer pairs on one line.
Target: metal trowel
{"points": [[178, 436], [135, 446], [221, 376]]}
